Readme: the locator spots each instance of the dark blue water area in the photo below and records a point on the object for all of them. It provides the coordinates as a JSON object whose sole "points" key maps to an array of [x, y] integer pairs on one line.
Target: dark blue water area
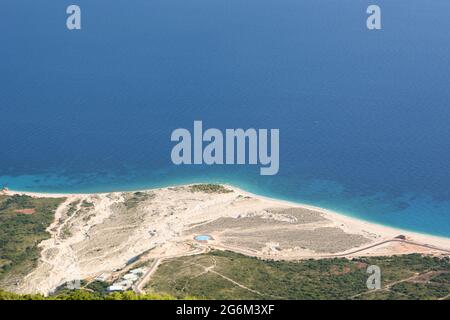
{"points": [[363, 115]]}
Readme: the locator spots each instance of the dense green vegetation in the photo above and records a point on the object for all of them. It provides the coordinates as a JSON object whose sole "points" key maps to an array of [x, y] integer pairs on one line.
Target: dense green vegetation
{"points": [[209, 188], [228, 275], [20, 233], [312, 279], [86, 295]]}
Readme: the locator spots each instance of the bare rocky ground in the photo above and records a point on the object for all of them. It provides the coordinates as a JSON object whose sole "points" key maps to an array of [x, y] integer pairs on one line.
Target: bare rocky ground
{"points": [[282, 229], [102, 233]]}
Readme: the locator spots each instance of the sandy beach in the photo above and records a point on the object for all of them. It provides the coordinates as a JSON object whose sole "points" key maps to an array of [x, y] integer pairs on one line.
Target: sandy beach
{"points": [[352, 224], [99, 234], [355, 225]]}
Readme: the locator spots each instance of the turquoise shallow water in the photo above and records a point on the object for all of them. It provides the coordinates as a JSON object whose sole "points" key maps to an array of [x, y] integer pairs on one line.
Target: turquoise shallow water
{"points": [[363, 116]]}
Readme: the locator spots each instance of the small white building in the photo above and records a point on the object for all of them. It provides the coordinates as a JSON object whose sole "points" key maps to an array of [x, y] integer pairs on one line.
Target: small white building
{"points": [[130, 277], [115, 288], [124, 283]]}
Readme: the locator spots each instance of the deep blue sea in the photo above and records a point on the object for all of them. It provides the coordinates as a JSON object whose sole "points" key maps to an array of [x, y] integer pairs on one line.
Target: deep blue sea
{"points": [[364, 116]]}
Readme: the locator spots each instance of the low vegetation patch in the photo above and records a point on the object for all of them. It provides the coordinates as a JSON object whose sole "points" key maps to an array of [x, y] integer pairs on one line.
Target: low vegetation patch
{"points": [[134, 199], [87, 295], [209, 188], [228, 275], [21, 233]]}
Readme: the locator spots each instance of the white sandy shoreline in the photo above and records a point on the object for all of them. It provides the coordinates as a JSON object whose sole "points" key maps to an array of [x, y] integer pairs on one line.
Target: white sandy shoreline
{"points": [[336, 216], [101, 239], [352, 224]]}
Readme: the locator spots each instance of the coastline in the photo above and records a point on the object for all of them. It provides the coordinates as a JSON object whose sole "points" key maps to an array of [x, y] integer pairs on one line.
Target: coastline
{"points": [[91, 236], [352, 223], [386, 231]]}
